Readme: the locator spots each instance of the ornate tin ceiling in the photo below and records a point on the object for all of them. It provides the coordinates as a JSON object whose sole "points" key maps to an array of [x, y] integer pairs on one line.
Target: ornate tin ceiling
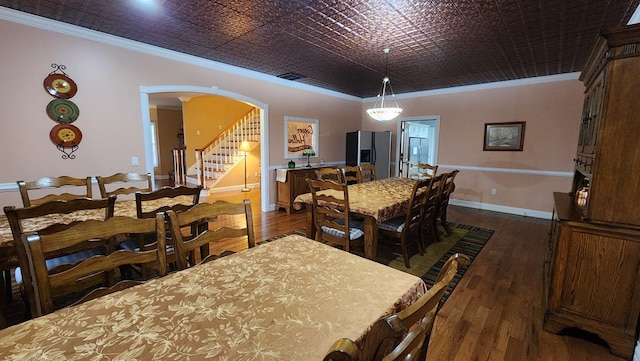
{"points": [[337, 44]]}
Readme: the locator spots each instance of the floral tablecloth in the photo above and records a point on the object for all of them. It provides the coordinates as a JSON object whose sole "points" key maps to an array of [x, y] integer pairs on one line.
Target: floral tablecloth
{"points": [[127, 207], [381, 199], [376, 201], [289, 299]]}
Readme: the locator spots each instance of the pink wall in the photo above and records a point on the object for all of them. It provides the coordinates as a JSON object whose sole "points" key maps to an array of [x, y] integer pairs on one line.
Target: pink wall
{"points": [[552, 115], [109, 80]]}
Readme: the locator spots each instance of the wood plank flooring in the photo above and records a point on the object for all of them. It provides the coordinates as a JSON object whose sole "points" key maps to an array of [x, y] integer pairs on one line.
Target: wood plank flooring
{"points": [[496, 311]]}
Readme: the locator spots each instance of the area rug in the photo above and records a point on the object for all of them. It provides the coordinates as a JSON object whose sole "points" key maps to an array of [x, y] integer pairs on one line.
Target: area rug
{"points": [[463, 239]]}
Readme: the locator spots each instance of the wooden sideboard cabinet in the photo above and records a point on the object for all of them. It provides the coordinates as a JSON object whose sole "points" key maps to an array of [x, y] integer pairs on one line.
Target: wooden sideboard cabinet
{"points": [[592, 269], [592, 276], [294, 185], [608, 155]]}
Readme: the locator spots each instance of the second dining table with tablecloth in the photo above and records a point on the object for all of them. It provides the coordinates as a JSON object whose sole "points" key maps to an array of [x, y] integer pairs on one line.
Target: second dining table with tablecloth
{"points": [[376, 201], [125, 207]]}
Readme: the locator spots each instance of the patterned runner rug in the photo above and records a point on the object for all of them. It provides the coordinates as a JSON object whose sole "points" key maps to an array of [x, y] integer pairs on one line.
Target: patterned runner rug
{"points": [[463, 239]]}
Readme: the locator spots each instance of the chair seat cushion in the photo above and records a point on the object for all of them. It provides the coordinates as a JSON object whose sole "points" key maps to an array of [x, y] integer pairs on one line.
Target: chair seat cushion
{"points": [[68, 259], [356, 230], [132, 244], [394, 224]]}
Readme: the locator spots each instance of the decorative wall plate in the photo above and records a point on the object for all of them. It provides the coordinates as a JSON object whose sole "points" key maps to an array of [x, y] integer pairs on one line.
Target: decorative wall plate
{"points": [[60, 86], [63, 111], [65, 135]]}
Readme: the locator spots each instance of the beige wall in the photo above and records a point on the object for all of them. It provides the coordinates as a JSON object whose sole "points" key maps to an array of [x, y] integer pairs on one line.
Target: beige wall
{"points": [[109, 80], [552, 115]]}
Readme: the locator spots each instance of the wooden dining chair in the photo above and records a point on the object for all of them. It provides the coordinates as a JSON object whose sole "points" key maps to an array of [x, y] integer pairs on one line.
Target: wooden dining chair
{"points": [[161, 200], [40, 186], [78, 237], [124, 183], [351, 174], [178, 198], [330, 207], [334, 174], [200, 233], [368, 172], [412, 326], [447, 188], [28, 220], [429, 232], [421, 171], [407, 228]]}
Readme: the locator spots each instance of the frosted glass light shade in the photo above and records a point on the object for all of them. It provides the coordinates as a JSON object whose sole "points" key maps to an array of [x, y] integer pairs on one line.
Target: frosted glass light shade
{"points": [[384, 114]]}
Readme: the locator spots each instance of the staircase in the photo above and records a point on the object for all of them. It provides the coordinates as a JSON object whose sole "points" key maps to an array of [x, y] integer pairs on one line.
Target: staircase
{"points": [[221, 155]]}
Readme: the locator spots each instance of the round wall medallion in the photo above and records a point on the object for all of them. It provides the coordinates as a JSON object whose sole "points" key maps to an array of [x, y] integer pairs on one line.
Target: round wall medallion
{"points": [[65, 135], [60, 86], [63, 111]]}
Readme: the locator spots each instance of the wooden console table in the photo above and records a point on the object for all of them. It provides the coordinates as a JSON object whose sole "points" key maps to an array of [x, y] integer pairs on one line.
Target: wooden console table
{"points": [[294, 184]]}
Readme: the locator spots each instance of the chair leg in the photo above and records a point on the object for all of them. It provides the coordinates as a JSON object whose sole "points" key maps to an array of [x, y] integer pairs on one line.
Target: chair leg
{"points": [[422, 248], [428, 233], [445, 225], [442, 215], [6, 275], [405, 253]]}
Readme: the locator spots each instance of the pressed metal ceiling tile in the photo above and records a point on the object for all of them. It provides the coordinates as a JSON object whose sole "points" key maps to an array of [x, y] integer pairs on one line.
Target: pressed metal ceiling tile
{"points": [[337, 44]]}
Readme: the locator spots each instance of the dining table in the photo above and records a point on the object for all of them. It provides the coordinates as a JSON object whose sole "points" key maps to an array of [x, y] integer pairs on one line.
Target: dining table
{"points": [[376, 201], [288, 299], [124, 207]]}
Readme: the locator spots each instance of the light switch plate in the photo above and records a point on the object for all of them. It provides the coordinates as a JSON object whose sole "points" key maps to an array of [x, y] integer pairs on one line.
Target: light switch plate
{"points": [[134, 161]]}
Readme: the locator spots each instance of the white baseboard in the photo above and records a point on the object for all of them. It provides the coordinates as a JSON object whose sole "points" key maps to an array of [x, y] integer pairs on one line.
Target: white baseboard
{"points": [[504, 209]]}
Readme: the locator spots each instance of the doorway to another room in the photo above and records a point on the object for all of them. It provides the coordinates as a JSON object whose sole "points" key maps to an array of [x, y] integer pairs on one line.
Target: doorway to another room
{"points": [[190, 93], [417, 143]]}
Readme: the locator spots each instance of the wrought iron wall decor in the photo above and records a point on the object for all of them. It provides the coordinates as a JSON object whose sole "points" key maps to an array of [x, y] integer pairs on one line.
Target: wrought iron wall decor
{"points": [[65, 136]]}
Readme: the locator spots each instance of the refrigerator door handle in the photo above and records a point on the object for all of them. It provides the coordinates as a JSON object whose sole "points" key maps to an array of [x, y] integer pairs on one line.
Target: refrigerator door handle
{"points": [[373, 148]]}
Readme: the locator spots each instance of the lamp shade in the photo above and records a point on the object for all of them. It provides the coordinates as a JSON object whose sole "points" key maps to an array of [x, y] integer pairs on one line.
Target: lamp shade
{"points": [[245, 146], [384, 114]]}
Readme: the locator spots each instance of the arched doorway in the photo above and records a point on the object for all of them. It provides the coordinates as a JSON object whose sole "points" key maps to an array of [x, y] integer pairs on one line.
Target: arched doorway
{"points": [[264, 126]]}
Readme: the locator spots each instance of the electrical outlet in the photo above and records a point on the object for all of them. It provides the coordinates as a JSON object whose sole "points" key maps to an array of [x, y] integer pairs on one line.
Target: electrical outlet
{"points": [[493, 192], [134, 161]]}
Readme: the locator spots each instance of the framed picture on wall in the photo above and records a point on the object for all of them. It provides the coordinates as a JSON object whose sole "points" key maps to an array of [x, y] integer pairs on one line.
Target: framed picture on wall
{"points": [[504, 136], [301, 137]]}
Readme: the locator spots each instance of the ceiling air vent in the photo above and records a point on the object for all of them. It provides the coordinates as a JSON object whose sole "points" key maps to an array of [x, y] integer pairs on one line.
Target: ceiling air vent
{"points": [[291, 76]]}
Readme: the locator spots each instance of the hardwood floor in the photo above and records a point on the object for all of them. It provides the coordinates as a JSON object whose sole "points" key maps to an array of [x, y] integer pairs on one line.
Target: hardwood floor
{"points": [[496, 311]]}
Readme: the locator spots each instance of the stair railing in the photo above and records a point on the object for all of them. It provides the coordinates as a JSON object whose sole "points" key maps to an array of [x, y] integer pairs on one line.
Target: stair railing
{"points": [[224, 147], [179, 166]]}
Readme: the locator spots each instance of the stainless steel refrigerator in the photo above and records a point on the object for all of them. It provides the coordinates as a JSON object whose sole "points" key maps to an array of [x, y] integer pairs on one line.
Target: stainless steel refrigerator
{"points": [[364, 147]]}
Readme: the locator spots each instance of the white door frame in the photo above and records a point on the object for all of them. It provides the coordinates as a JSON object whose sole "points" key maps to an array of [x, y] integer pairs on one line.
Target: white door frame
{"points": [[264, 126]]}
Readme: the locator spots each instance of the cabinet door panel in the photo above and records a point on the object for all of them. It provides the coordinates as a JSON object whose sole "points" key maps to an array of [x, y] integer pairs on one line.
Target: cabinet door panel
{"points": [[597, 280]]}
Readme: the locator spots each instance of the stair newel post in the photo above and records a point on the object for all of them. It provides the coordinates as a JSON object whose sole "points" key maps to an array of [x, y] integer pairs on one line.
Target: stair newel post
{"points": [[200, 163]]}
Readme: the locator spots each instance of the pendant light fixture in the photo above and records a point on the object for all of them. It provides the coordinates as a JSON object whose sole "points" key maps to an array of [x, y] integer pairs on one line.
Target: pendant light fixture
{"points": [[379, 112]]}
